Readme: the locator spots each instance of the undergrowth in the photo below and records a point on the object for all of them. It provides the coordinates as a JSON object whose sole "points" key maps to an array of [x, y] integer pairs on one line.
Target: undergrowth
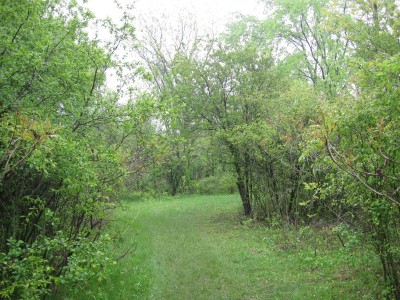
{"points": [[201, 248]]}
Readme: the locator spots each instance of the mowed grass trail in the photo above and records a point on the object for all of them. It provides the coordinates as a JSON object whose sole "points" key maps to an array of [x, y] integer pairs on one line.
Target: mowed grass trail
{"points": [[198, 248]]}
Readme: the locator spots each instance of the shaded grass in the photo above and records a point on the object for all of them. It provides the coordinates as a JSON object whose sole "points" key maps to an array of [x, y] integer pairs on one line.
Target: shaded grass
{"points": [[200, 248]]}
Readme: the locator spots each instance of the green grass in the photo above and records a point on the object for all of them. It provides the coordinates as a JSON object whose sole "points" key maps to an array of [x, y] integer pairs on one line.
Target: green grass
{"points": [[198, 248]]}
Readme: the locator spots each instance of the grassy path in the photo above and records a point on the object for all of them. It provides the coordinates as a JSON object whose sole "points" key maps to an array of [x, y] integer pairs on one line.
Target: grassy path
{"points": [[197, 248]]}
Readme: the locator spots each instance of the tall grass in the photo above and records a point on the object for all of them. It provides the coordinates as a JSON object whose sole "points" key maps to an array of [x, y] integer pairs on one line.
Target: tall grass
{"points": [[201, 248]]}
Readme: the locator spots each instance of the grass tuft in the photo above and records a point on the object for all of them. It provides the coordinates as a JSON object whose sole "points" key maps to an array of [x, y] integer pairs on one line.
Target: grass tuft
{"points": [[201, 248]]}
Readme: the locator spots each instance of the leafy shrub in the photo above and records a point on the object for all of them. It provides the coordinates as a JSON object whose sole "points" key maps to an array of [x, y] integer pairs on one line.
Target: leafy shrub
{"points": [[88, 261], [24, 271], [31, 271], [223, 184], [60, 170]]}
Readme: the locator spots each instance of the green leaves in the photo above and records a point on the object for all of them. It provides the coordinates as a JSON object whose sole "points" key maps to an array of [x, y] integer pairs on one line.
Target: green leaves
{"points": [[316, 50], [62, 143], [24, 271]]}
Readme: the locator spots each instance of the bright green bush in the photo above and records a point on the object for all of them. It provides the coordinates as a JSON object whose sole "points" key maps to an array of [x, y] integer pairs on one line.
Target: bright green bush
{"points": [[61, 158], [24, 271], [222, 184]]}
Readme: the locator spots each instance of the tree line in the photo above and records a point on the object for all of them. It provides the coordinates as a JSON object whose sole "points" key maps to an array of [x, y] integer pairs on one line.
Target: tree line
{"points": [[299, 111], [63, 133]]}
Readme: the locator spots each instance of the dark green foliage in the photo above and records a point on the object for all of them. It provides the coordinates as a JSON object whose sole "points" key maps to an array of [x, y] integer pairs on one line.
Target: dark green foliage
{"points": [[219, 184], [59, 172]]}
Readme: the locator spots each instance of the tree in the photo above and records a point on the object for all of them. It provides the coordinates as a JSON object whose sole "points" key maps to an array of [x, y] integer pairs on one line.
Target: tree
{"points": [[232, 92], [360, 128], [58, 173], [317, 50]]}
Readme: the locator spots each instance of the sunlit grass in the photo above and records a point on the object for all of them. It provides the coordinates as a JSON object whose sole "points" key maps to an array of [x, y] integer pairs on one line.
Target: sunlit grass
{"points": [[200, 248]]}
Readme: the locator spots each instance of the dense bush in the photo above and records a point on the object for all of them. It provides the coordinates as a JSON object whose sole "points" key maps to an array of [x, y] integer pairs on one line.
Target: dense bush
{"points": [[58, 168], [223, 184]]}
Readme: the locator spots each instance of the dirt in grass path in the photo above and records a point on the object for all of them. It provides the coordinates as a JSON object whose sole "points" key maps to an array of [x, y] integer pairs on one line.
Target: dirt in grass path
{"points": [[198, 248]]}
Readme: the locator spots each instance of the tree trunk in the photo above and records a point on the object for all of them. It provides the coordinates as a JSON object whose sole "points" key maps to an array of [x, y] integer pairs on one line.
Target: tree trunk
{"points": [[241, 180], [244, 195]]}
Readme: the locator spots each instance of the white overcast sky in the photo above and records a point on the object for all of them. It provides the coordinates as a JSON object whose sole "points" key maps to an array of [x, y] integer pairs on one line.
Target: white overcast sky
{"points": [[210, 15], [206, 12]]}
